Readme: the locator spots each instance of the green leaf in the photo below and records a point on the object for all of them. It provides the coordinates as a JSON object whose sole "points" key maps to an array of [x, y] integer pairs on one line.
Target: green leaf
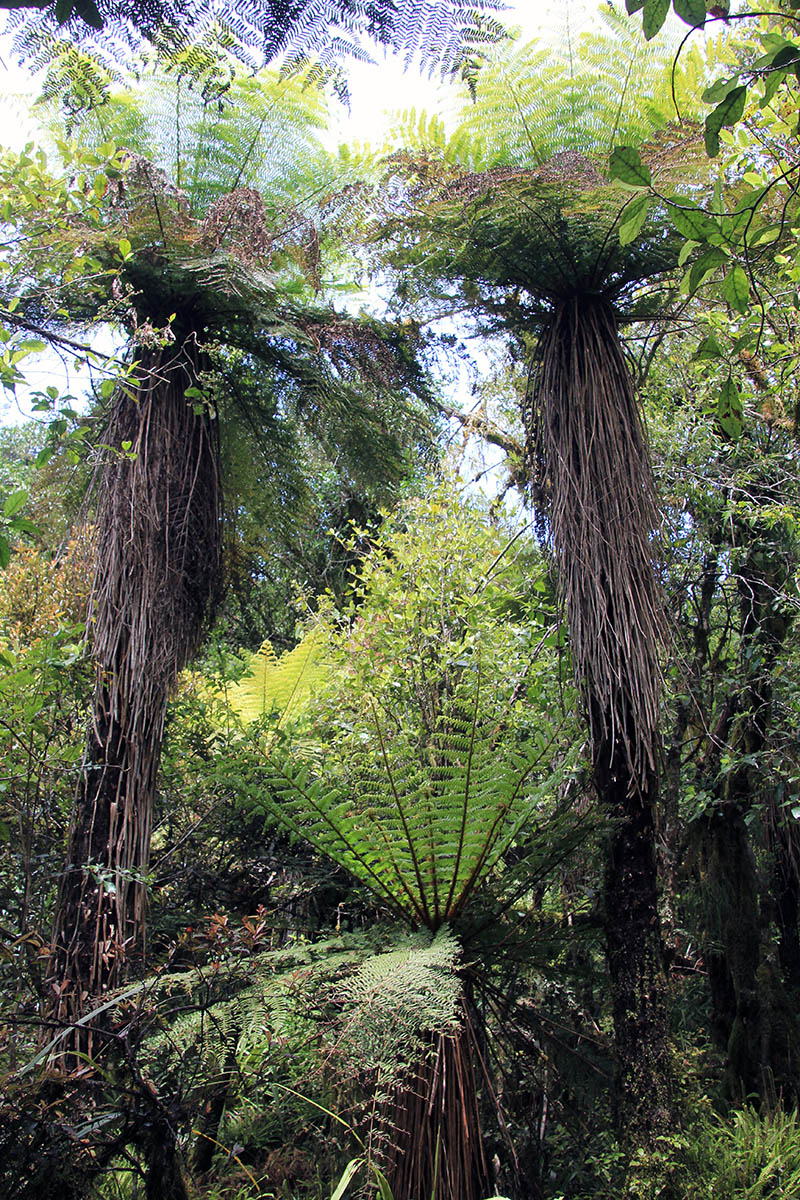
{"points": [[383, 1183], [729, 409], [347, 1175], [633, 6], [633, 218], [63, 11], [654, 14], [720, 88], [692, 222], [5, 553], [23, 525], [693, 12], [705, 264], [764, 235], [771, 84], [88, 11], [14, 503], [725, 114], [626, 166], [708, 349], [736, 289], [124, 247]]}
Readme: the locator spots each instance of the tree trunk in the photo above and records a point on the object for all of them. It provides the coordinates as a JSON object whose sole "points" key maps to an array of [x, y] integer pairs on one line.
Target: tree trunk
{"points": [[753, 1020], [157, 575], [431, 1128], [589, 455], [634, 947]]}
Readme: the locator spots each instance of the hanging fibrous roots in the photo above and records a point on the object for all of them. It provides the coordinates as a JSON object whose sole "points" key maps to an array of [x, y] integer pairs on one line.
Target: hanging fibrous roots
{"points": [[591, 469], [156, 581]]}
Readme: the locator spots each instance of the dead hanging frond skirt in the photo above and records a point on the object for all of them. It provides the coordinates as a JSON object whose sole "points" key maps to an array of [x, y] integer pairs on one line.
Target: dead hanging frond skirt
{"points": [[156, 581], [591, 466]]}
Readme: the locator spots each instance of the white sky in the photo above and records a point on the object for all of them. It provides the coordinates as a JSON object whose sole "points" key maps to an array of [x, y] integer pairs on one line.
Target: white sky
{"points": [[377, 90]]}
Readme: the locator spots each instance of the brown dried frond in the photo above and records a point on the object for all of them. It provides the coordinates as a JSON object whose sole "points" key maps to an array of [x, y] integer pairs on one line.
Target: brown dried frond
{"points": [[589, 457], [348, 343], [146, 194], [238, 222]]}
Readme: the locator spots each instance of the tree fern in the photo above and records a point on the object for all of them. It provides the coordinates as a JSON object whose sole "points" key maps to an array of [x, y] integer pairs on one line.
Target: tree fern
{"points": [[424, 768], [259, 132]]}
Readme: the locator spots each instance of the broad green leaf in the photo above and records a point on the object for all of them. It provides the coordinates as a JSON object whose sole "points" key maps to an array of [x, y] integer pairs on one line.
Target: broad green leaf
{"points": [[5, 553], [23, 525], [693, 12], [633, 218], [708, 349], [720, 88], [63, 11], [633, 6], [124, 247], [727, 113], [654, 14], [765, 235], [736, 289], [771, 84], [786, 56], [14, 503], [705, 264], [626, 166], [692, 222], [88, 10]]}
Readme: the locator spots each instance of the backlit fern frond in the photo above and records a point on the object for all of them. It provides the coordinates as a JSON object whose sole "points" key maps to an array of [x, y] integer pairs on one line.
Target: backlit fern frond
{"points": [[280, 685], [440, 33], [534, 102]]}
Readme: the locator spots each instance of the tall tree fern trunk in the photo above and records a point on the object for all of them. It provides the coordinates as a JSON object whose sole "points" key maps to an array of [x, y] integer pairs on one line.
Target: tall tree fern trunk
{"points": [[754, 1016], [158, 566], [592, 467]]}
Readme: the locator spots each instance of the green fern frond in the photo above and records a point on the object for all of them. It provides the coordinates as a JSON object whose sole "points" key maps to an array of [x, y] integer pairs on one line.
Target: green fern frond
{"points": [[279, 685], [393, 1001], [421, 833]]}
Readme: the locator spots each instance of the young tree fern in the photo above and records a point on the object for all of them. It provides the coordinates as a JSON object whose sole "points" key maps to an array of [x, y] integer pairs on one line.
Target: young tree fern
{"points": [[436, 736]]}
